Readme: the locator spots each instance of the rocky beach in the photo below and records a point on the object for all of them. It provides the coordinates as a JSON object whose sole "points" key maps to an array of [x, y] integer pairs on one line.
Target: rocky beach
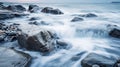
{"points": [[59, 35]]}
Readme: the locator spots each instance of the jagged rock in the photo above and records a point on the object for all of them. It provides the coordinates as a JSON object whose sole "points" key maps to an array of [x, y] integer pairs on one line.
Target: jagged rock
{"points": [[76, 19], [16, 8], [43, 41], [115, 33], [96, 60], [13, 58], [33, 8], [51, 11], [89, 15]]}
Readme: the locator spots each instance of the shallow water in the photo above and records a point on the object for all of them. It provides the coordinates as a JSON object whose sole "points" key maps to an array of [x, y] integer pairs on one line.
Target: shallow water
{"points": [[90, 35]]}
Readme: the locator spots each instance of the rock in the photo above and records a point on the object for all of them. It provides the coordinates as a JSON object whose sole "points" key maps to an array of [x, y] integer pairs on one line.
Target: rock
{"points": [[76, 19], [115, 33], [9, 15], [96, 60], [16, 8], [51, 11], [13, 58], [88, 15], [43, 41], [33, 8]]}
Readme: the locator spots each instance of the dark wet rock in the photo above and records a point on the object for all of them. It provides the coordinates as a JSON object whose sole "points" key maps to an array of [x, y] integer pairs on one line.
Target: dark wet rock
{"points": [[43, 41], [115, 33], [89, 15], [16, 8], [33, 18], [96, 60], [33, 8], [63, 44], [51, 11], [76, 19], [9, 15], [13, 58]]}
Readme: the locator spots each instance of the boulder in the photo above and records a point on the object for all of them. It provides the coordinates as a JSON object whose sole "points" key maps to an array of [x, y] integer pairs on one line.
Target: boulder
{"points": [[13, 58], [16, 8], [77, 19], [51, 11], [33, 8], [89, 15], [96, 60], [115, 33], [43, 41]]}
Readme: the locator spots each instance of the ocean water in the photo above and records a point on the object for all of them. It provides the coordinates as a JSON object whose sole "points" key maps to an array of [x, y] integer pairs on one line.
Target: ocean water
{"points": [[88, 36]]}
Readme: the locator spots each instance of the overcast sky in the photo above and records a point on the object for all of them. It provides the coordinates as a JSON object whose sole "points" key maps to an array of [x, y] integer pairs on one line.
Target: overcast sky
{"points": [[58, 1]]}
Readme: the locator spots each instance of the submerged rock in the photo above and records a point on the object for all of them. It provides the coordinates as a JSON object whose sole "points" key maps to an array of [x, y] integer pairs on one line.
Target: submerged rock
{"points": [[9, 15], [33, 8], [89, 15], [51, 11], [13, 58], [115, 33], [16, 8], [96, 60], [76, 19]]}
